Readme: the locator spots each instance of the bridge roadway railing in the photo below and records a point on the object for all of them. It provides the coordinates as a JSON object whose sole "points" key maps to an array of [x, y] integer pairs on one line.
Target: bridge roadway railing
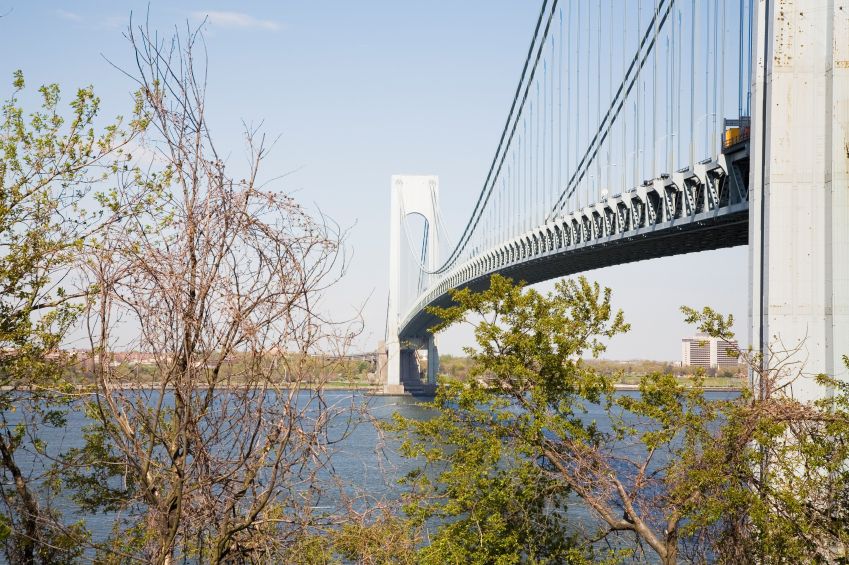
{"points": [[699, 208]]}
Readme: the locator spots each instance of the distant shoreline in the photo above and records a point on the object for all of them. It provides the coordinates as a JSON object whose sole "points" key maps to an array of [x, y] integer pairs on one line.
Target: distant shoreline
{"points": [[374, 389], [624, 386], [232, 386]]}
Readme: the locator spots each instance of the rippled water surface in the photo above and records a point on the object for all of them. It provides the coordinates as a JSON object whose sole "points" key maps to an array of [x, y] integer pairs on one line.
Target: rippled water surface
{"points": [[363, 458]]}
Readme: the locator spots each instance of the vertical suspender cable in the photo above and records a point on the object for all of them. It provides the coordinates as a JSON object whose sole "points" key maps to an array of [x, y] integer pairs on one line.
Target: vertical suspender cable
{"points": [[740, 63], [501, 217], [670, 105], [710, 93], [589, 55], [638, 165], [525, 176], [490, 233], [585, 126], [703, 45], [610, 92], [544, 130], [559, 108], [721, 116], [706, 63], [676, 158], [624, 156], [654, 101], [483, 238], [548, 193], [569, 112], [513, 191], [693, 39], [499, 206], [597, 191], [636, 106], [489, 211], [670, 73], [715, 81], [667, 104], [505, 210], [517, 188], [750, 61], [536, 127], [505, 205], [578, 85]]}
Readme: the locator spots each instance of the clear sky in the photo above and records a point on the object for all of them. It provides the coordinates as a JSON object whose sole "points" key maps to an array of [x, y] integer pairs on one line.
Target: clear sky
{"points": [[359, 91]]}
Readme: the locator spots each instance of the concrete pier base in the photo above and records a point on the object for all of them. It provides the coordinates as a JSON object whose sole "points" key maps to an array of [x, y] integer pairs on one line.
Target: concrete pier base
{"points": [[394, 390]]}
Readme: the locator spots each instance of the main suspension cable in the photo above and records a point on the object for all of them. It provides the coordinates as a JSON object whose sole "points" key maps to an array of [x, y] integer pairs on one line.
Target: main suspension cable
{"points": [[493, 172]]}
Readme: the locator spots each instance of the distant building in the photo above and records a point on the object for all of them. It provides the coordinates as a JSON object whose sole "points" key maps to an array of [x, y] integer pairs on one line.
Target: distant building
{"points": [[702, 350]]}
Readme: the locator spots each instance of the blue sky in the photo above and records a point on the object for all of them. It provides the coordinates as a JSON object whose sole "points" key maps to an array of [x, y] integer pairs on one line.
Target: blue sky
{"points": [[359, 91]]}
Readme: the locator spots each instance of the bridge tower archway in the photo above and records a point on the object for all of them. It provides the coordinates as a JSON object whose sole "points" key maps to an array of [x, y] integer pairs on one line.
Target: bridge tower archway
{"points": [[410, 194]]}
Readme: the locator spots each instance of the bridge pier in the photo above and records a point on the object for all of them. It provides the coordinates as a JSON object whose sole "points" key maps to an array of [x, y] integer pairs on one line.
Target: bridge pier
{"points": [[432, 359], [410, 374], [799, 205], [409, 370]]}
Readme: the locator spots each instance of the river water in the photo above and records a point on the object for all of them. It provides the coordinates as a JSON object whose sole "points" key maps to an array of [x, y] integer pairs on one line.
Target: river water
{"points": [[364, 458]]}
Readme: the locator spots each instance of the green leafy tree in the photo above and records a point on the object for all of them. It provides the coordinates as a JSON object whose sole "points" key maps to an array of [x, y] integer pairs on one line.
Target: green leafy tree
{"points": [[49, 162], [757, 477], [487, 481]]}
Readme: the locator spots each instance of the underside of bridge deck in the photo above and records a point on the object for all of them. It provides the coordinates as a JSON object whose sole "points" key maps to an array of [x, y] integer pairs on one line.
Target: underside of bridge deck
{"points": [[713, 230]]}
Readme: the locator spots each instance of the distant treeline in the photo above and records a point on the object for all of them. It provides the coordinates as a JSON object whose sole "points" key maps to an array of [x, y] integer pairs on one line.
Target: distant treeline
{"points": [[458, 367], [145, 368]]}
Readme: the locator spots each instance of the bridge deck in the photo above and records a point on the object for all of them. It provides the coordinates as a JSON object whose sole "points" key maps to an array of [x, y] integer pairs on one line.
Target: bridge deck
{"points": [[710, 231], [691, 211]]}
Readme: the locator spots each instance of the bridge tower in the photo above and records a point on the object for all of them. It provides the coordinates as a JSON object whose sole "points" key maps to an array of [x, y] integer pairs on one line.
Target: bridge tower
{"points": [[409, 195], [799, 205]]}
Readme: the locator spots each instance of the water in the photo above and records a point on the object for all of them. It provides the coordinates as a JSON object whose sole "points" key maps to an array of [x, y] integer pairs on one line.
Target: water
{"points": [[364, 459]]}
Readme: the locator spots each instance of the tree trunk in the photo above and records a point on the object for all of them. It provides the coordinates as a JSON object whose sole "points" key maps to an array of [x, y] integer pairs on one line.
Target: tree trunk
{"points": [[26, 543]]}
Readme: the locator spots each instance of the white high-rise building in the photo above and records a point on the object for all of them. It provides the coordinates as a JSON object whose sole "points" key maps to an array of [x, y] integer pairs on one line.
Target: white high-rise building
{"points": [[709, 352]]}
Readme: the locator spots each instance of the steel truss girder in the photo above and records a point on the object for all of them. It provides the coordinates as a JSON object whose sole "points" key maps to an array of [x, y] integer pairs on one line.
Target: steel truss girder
{"points": [[711, 197]]}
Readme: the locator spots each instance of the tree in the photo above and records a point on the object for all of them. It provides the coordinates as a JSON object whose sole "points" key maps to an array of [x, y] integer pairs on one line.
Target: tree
{"points": [[683, 475], [48, 164], [786, 463], [499, 496], [220, 279]]}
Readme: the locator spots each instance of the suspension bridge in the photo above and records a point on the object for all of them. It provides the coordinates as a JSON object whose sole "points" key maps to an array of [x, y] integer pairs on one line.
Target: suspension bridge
{"points": [[651, 128]]}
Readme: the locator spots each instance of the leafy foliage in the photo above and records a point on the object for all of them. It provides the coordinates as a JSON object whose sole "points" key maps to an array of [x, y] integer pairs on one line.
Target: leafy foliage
{"points": [[785, 463], [48, 164], [753, 477], [486, 481]]}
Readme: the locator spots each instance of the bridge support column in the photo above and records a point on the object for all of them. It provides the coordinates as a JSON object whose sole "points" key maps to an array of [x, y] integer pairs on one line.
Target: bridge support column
{"points": [[409, 367], [799, 204], [432, 360], [392, 384]]}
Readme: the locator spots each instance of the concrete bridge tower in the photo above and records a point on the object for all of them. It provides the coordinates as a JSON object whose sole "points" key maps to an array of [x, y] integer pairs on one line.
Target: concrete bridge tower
{"points": [[799, 205], [409, 195]]}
